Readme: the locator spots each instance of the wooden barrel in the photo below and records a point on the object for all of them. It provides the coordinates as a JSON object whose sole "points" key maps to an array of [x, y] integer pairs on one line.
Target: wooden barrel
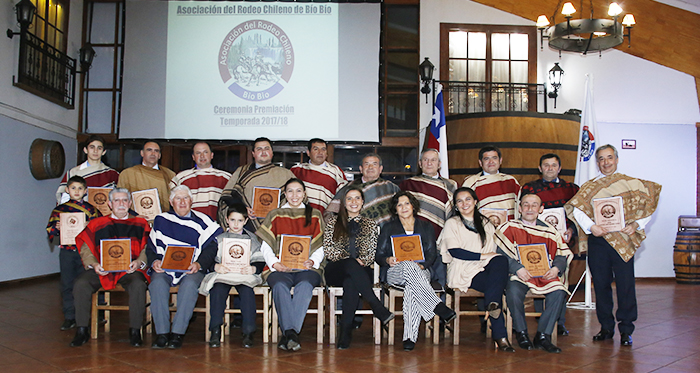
{"points": [[47, 159], [686, 257], [523, 138]]}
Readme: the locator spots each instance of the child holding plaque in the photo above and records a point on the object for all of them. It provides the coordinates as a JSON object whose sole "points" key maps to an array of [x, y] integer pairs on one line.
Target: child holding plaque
{"points": [[419, 298], [300, 219], [69, 257], [350, 242], [231, 271]]}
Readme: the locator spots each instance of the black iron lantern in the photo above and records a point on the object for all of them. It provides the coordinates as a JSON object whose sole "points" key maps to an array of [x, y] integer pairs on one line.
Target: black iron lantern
{"points": [[426, 69], [87, 54], [24, 10], [555, 74]]}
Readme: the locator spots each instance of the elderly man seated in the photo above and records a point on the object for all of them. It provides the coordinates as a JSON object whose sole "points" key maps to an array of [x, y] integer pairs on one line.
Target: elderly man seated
{"points": [[526, 231], [118, 225], [182, 226]]}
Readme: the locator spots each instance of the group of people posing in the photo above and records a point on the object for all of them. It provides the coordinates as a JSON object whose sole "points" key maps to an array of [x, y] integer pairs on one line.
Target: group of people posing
{"points": [[350, 226]]}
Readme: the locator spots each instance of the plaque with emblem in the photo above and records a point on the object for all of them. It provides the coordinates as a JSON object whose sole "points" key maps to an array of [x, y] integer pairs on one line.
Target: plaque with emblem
{"points": [[496, 216], [609, 213], [407, 247], [265, 200], [115, 254], [72, 223], [98, 197], [556, 217], [294, 250], [235, 253], [177, 258], [534, 258], [147, 203]]}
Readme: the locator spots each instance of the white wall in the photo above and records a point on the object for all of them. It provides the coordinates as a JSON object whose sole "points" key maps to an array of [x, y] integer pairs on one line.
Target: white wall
{"points": [[24, 117], [634, 99]]}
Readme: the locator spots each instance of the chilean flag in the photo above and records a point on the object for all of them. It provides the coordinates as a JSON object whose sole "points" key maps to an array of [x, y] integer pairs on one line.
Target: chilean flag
{"points": [[437, 137]]}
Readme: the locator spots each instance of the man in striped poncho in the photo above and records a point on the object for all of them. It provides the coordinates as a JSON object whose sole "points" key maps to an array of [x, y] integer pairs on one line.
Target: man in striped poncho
{"points": [[205, 181], [529, 230], [378, 192], [180, 227], [321, 178], [495, 190]]}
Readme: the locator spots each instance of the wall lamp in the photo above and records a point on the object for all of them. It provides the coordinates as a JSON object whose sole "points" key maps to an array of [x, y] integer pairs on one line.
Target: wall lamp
{"points": [[555, 74], [426, 69], [86, 55], [25, 15]]}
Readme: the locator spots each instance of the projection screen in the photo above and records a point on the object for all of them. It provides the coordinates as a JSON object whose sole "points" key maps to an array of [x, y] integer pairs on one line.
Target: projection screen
{"points": [[241, 70]]}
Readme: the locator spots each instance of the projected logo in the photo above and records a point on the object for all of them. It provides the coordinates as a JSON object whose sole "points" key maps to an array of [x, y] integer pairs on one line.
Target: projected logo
{"points": [[256, 60]]}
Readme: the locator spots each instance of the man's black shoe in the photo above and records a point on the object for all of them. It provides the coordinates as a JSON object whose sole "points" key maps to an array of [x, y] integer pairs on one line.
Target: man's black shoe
{"points": [[215, 337], [282, 344], [68, 324], [82, 336], [135, 337], [544, 342], [160, 342], [247, 341], [175, 341], [561, 330], [523, 340], [604, 334], [625, 339]]}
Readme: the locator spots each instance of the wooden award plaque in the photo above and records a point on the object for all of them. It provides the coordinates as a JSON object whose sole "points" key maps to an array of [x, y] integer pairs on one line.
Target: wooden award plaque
{"points": [[609, 213], [556, 217], [115, 254], [294, 250], [407, 247], [177, 258], [534, 258], [147, 203], [98, 197], [265, 200], [235, 253], [72, 223], [496, 216]]}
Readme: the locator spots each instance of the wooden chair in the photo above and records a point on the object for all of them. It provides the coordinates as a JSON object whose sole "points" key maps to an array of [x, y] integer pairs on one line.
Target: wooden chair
{"points": [[509, 317], [471, 293], [394, 292], [335, 292], [320, 310], [108, 307], [263, 291]]}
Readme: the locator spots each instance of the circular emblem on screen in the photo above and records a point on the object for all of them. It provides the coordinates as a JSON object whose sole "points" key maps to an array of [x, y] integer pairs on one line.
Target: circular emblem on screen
{"points": [[266, 199], [115, 251], [295, 248], [551, 219], [178, 255], [146, 202], [407, 246], [100, 198], [256, 60], [236, 251], [608, 211], [534, 257]]}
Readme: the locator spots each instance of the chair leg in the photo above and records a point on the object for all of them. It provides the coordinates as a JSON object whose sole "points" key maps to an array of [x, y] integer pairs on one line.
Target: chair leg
{"points": [[376, 324], [320, 315], [392, 325], [455, 331], [108, 313], [149, 321], [93, 316], [266, 316], [274, 323], [207, 322], [448, 302], [332, 305]]}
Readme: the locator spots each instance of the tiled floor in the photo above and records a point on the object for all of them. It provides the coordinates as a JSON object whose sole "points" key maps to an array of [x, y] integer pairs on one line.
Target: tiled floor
{"points": [[667, 339]]}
